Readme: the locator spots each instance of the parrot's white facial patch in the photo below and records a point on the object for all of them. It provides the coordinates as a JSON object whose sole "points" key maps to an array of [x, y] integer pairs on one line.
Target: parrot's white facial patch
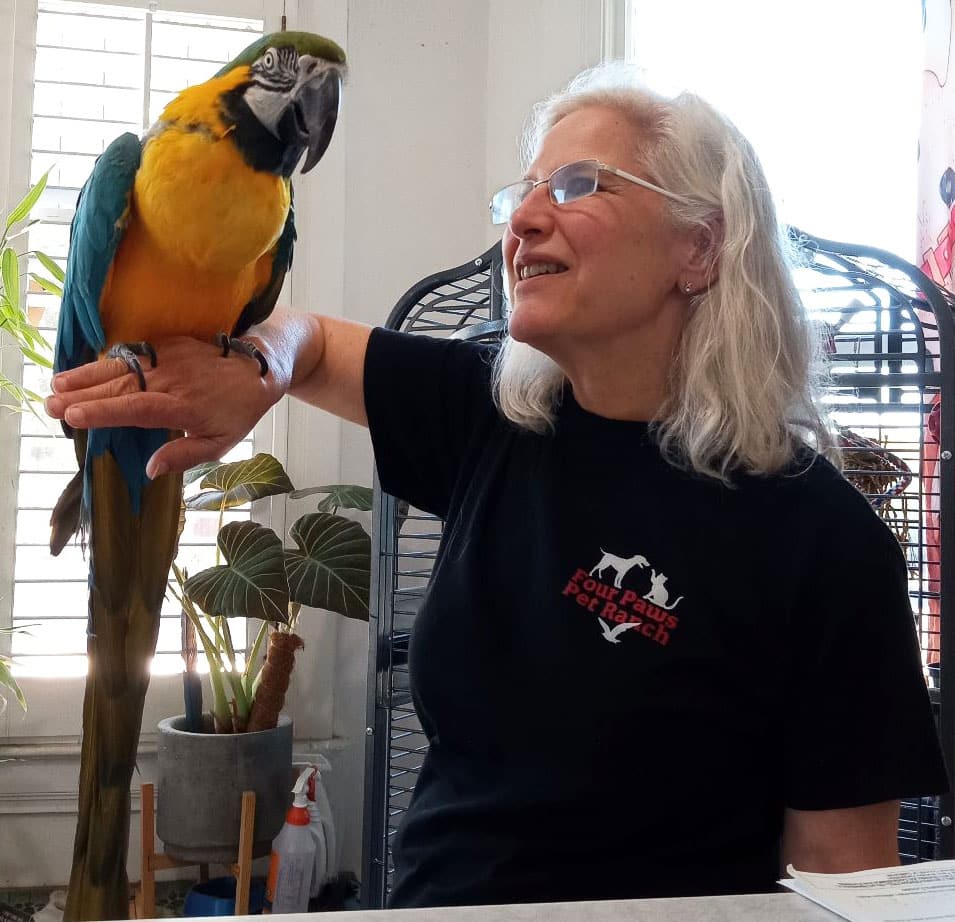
{"points": [[274, 77], [281, 79], [267, 105]]}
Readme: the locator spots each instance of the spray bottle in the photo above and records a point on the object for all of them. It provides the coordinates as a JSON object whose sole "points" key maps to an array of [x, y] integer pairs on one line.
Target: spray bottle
{"points": [[320, 871], [317, 793], [293, 856]]}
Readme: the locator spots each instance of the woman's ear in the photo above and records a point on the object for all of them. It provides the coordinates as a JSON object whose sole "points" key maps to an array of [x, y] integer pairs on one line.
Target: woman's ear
{"points": [[702, 266]]}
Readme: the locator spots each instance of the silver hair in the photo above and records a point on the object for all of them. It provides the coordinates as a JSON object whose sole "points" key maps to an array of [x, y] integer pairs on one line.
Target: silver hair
{"points": [[743, 388]]}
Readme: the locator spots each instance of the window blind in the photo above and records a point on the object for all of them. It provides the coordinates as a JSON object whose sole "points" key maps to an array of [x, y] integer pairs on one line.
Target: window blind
{"points": [[101, 69]]}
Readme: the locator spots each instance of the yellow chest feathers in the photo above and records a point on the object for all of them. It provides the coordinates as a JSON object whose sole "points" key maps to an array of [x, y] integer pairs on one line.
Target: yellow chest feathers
{"points": [[202, 206], [198, 243]]}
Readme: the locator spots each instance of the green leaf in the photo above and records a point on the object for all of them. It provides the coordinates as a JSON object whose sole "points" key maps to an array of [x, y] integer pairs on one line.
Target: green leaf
{"points": [[8, 681], [48, 285], [331, 568], [252, 584], [26, 335], [12, 320], [340, 496], [25, 206], [9, 268], [29, 341], [35, 356], [231, 485], [23, 400], [51, 266], [220, 702], [23, 230], [198, 472], [253, 663], [243, 703], [12, 388]]}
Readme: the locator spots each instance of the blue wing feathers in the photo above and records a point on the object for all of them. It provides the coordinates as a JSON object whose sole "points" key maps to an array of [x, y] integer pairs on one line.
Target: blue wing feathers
{"points": [[95, 235]]}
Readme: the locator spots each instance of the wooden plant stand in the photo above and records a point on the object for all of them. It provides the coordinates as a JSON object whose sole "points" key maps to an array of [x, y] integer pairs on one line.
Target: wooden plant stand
{"points": [[143, 906]]}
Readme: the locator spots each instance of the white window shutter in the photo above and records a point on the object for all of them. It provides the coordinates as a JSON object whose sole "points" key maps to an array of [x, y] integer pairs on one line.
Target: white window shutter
{"points": [[101, 69]]}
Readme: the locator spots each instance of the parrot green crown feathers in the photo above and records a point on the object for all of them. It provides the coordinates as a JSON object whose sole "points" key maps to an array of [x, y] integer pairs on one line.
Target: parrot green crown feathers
{"points": [[303, 42]]}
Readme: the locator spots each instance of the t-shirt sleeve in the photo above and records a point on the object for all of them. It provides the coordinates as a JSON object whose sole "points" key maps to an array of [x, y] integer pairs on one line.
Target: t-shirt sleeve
{"points": [[859, 727], [428, 403]]}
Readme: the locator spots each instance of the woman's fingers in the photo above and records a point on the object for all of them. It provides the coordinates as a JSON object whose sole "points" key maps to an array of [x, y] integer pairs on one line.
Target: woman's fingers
{"points": [[214, 399], [181, 454], [88, 375], [142, 408], [110, 378], [58, 404], [103, 371]]}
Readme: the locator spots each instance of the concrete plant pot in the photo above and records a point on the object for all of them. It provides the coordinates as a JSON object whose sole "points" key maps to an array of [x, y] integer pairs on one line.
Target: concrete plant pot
{"points": [[201, 780]]}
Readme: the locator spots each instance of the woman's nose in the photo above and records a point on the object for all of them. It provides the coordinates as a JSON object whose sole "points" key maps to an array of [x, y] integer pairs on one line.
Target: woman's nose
{"points": [[534, 214]]}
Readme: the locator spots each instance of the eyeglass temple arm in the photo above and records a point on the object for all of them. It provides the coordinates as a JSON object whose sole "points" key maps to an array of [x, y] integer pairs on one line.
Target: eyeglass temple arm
{"points": [[641, 182]]}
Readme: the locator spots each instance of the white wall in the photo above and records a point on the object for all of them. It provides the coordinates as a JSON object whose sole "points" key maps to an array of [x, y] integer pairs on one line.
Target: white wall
{"points": [[8, 358], [433, 109], [534, 48], [7, 13]]}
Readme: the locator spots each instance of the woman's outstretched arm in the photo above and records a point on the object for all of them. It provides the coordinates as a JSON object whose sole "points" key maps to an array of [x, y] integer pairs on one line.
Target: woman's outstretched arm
{"points": [[217, 400]]}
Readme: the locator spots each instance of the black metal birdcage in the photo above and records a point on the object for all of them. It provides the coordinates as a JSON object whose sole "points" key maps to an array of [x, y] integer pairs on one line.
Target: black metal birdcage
{"points": [[890, 335]]}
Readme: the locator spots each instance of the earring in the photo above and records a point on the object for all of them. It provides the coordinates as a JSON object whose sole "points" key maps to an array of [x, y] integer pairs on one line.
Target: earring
{"points": [[688, 287]]}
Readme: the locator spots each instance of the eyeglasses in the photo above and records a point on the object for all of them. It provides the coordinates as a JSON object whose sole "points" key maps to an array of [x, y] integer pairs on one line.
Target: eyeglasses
{"points": [[566, 184]]}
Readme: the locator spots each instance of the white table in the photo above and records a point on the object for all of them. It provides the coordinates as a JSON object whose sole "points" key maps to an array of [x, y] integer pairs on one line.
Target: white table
{"points": [[754, 907]]}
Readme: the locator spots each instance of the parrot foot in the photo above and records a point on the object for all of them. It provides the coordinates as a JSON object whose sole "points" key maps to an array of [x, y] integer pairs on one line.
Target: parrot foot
{"points": [[232, 344], [128, 352]]}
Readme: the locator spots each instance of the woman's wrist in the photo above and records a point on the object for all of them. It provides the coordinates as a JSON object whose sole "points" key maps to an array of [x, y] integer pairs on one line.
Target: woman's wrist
{"points": [[292, 344], [278, 378]]}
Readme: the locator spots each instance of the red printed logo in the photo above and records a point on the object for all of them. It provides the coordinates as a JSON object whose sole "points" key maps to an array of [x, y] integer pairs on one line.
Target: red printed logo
{"points": [[622, 611]]}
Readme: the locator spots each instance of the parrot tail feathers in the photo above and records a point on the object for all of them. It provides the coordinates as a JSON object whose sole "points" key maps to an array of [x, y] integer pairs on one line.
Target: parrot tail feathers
{"points": [[67, 517], [71, 513]]}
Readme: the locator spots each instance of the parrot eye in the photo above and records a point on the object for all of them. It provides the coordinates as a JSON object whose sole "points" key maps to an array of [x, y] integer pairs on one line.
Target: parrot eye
{"points": [[269, 60]]}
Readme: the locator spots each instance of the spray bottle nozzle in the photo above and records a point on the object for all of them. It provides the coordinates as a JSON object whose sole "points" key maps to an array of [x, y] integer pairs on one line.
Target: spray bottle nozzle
{"points": [[300, 788]]}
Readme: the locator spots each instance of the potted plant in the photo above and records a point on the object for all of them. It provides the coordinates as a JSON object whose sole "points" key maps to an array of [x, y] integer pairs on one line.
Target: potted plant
{"points": [[15, 327], [255, 577]]}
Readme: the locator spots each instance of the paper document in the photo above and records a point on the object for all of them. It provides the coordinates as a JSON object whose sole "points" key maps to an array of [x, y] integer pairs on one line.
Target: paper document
{"points": [[914, 893]]}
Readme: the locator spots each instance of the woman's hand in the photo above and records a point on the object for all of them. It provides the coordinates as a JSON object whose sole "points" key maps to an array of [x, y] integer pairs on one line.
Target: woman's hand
{"points": [[217, 401]]}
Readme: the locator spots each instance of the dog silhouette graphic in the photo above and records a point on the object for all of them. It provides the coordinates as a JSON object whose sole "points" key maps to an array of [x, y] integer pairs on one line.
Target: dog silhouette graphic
{"points": [[620, 565]]}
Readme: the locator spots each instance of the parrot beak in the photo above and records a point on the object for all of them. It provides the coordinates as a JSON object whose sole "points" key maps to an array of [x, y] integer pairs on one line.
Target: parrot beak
{"points": [[314, 108]]}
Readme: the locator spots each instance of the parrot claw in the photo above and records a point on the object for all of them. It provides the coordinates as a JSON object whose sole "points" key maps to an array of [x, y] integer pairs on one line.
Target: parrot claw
{"points": [[128, 352], [233, 344]]}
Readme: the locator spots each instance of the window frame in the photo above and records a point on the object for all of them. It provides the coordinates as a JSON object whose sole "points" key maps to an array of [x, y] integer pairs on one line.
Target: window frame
{"points": [[614, 29]]}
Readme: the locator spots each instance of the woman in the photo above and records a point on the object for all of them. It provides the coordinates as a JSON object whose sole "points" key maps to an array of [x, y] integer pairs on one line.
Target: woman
{"points": [[666, 644]]}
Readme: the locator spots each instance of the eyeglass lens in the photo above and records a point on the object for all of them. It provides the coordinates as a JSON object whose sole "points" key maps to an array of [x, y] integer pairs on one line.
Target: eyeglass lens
{"points": [[507, 201], [574, 181], [568, 183]]}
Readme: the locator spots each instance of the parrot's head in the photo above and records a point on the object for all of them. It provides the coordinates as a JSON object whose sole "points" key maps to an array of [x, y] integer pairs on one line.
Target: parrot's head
{"points": [[288, 106]]}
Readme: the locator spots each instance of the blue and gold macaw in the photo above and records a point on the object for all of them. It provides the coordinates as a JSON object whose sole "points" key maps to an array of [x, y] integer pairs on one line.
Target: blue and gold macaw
{"points": [[188, 231]]}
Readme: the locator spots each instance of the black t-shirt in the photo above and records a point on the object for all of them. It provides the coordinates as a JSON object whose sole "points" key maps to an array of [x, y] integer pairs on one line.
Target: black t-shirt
{"points": [[626, 672]]}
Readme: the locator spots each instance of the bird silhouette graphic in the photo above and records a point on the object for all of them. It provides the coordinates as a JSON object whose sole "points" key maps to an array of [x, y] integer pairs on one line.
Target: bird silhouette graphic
{"points": [[612, 634]]}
